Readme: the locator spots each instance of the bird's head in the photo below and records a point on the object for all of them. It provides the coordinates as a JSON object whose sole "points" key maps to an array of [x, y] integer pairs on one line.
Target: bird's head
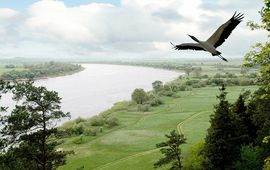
{"points": [[194, 38]]}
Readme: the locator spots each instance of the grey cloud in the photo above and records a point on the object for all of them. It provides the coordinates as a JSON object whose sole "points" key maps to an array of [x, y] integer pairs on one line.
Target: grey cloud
{"points": [[210, 23], [168, 15]]}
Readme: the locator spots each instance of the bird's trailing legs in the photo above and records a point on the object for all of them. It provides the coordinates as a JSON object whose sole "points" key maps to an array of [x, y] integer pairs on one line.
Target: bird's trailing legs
{"points": [[222, 58]]}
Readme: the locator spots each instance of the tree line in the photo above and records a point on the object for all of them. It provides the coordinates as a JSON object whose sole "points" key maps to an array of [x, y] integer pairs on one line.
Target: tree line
{"points": [[44, 70]]}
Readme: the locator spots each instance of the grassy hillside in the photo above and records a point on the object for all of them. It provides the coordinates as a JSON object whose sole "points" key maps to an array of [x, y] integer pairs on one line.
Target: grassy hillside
{"points": [[131, 144]]}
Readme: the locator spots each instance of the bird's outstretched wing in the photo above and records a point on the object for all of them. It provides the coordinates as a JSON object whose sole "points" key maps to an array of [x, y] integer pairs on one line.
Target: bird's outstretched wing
{"points": [[224, 31], [188, 46]]}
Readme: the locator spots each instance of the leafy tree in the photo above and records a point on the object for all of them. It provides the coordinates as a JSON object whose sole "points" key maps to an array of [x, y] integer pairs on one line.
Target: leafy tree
{"points": [[220, 150], [260, 55], [250, 158], [195, 159], [171, 151], [157, 85], [30, 128], [139, 96]]}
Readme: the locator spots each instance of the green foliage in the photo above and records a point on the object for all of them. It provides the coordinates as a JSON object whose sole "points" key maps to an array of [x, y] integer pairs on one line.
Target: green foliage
{"points": [[91, 131], [78, 128], [41, 70], [188, 69], [78, 140], [259, 108], [194, 159], [157, 85], [250, 158], [220, 143], [139, 96], [266, 164], [171, 151], [30, 127], [97, 121], [260, 55], [143, 107], [17, 159], [259, 104], [154, 100], [112, 121], [10, 66], [88, 127], [197, 71]]}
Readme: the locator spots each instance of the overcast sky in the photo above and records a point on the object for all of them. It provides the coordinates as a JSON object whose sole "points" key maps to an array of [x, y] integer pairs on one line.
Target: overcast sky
{"points": [[120, 28]]}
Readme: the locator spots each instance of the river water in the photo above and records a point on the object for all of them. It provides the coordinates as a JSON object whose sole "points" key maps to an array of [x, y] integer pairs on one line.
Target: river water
{"points": [[99, 86]]}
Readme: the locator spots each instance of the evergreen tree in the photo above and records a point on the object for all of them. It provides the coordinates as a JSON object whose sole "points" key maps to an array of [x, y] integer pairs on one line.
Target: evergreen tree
{"points": [[220, 150], [243, 119], [30, 128], [171, 151]]}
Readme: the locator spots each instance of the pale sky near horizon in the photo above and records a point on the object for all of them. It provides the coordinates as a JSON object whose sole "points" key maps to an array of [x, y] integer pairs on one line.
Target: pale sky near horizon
{"points": [[120, 28]]}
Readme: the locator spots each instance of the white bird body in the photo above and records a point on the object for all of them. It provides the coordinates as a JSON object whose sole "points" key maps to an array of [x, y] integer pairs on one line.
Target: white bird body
{"points": [[219, 36]]}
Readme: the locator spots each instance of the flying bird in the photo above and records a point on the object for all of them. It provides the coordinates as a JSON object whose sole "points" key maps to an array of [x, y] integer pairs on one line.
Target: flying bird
{"points": [[210, 45]]}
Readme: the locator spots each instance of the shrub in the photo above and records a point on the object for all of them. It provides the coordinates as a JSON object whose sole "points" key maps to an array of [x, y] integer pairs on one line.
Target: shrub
{"points": [[205, 76], [166, 93], [155, 102], [78, 140], [245, 82], [217, 82], [143, 107], [90, 132], [78, 129], [182, 87], [250, 158], [157, 85], [79, 120], [191, 82], [112, 121], [195, 159], [196, 85], [97, 121]]}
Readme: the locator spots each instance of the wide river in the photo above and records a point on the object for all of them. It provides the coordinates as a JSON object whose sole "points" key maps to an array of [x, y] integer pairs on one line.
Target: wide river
{"points": [[99, 86]]}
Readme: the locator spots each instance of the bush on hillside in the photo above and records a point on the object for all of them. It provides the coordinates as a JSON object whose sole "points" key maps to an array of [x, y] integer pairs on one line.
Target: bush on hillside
{"points": [[143, 107], [96, 121], [112, 121]]}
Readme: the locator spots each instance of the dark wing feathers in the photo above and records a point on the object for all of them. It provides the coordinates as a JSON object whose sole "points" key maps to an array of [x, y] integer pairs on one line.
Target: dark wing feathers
{"points": [[224, 31], [188, 46]]}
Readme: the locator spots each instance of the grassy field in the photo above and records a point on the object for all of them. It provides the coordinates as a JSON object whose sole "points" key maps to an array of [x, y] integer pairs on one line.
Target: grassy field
{"points": [[131, 145]]}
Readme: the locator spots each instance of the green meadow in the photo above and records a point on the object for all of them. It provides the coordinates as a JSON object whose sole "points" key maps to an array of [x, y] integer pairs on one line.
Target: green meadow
{"points": [[131, 144]]}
